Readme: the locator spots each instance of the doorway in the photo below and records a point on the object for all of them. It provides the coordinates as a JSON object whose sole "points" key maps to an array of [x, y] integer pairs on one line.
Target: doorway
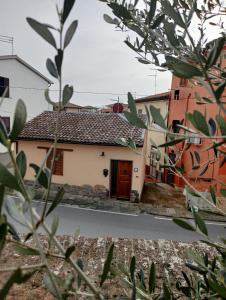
{"points": [[121, 179]]}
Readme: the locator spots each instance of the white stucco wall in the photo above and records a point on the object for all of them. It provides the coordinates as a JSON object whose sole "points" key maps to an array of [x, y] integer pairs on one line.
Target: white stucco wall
{"points": [[25, 85]]}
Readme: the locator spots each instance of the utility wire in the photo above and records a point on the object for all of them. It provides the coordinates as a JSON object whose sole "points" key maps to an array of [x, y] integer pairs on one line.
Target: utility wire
{"points": [[75, 92]]}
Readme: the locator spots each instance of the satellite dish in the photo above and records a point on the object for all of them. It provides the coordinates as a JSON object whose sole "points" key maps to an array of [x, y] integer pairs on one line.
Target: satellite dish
{"points": [[117, 108]]}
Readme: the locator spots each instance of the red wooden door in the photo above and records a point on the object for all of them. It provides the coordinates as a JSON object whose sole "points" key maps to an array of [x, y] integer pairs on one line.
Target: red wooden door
{"points": [[124, 179]]}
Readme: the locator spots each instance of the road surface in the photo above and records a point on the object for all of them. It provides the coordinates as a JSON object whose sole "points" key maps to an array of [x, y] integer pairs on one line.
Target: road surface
{"points": [[93, 223]]}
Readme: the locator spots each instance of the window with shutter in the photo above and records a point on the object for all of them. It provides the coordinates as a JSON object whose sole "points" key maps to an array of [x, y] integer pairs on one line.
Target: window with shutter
{"points": [[58, 163]]}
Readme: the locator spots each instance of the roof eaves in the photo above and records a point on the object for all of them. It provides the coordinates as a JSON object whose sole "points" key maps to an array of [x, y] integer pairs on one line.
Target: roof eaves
{"points": [[30, 139], [5, 57]]}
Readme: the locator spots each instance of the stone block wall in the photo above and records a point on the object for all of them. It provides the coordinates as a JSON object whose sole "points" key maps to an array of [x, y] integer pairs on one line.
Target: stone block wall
{"points": [[86, 192]]}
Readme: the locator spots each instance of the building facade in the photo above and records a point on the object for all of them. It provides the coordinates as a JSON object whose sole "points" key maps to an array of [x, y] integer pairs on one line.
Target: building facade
{"points": [[19, 80], [161, 102], [184, 99], [88, 152]]}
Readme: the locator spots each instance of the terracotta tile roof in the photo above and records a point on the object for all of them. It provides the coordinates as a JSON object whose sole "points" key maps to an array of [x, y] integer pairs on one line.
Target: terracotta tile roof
{"points": [[157, 97], [82, 128]]}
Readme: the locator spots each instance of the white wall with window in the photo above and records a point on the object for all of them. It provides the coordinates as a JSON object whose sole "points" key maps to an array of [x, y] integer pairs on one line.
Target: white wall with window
{"points": [[19, 80]]}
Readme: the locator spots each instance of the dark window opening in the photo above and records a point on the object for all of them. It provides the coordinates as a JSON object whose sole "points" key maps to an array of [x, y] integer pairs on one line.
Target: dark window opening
{"points": [[177, 95], [140, 111], [6, 122], [4, 87], [58, 163], [175, 128], [183, 82]]}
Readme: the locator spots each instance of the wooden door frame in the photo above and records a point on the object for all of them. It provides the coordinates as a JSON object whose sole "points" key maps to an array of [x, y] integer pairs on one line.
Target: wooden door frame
{"points": [[117, 178]]}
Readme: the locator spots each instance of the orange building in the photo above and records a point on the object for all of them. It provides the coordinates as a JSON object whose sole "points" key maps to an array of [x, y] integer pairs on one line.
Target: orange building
{"points": [[183, 100]]}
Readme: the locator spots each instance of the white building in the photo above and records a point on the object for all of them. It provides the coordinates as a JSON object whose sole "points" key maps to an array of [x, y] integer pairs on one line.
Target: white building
{"points": [[22, 82]]}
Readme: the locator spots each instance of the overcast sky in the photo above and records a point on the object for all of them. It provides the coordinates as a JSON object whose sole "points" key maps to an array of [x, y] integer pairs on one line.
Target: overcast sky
{"points": [[97, 60]]}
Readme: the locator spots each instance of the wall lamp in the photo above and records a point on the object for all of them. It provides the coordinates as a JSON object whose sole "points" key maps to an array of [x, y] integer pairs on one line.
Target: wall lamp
{"points": [[105, 172], [102, 154]]}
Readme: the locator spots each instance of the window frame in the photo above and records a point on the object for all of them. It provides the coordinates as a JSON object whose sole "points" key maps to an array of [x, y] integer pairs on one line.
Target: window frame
{"points": [[58, 168], [177, 94], [3, 87], [192, 140], [183, 82]]}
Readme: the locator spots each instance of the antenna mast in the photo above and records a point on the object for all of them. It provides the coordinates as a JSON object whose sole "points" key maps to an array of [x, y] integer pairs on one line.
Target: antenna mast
{"points": [[9, 40], [155, 75]]}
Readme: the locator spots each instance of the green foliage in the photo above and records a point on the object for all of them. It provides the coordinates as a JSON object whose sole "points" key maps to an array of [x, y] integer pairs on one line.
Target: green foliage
{"points": [[107, 265], [40, 175], [172, 13], [2, 194], [19, 121], [161, 37], [109, 20], [21, 162], [182, 69], [68, 5], [17, 277], [184, 224], [67, 94], [200, 223], [69, 251], [51, 68], [56, 201], [152, 278], [59, 61], [3, 231], [8, 180], [42, 30], [200, 122], [157, 117], [25, 250], [213, 195], [134, 120], [47, 97], [3, 133], [70, 33], [215, 52], [132, 104], [222, 124]]}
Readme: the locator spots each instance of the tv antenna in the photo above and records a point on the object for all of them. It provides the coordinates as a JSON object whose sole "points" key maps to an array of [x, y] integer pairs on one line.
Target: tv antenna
{"points": [[114, 100], [154, 75], [7, 39]]}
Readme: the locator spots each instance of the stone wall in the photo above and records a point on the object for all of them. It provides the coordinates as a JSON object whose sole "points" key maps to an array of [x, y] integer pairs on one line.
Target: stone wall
{"points": [[85, 192]]}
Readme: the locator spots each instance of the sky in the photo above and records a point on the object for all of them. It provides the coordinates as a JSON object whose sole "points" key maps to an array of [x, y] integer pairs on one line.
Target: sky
{"points": [[96, 61]]}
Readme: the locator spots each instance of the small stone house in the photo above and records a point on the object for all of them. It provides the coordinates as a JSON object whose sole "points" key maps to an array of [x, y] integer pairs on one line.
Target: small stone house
{"points": [[88, 155]]}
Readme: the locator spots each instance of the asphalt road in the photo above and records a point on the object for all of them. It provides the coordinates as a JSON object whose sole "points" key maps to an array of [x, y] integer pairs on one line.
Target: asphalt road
{"points": [[93, 223]]}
